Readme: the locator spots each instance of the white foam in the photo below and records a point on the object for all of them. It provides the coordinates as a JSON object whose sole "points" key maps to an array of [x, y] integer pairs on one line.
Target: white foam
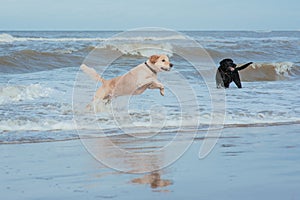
{"points": [[233, 40], [35, 125], [171, 37], [283, 68], [263, 31], [7, 38], [15, 93], [261, 117], [140, 49]]}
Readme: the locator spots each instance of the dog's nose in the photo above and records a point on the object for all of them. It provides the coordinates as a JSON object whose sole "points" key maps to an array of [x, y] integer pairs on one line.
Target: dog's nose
{"points": [[171, 65]]}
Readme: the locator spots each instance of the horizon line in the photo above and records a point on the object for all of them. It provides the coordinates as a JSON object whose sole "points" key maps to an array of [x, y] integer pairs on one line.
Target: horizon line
{"points": [[108, 30]]}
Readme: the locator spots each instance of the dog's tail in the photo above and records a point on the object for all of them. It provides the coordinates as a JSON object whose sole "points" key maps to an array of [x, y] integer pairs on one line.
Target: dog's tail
{"points": [[244, 66], [91, 72]]}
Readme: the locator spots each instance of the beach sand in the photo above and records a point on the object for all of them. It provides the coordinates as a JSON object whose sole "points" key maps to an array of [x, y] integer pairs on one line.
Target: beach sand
{"points": [[246, 163]]}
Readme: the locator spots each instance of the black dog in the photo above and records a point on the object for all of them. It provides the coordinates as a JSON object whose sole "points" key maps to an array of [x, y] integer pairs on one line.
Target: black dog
{"points": [[228, 72]]}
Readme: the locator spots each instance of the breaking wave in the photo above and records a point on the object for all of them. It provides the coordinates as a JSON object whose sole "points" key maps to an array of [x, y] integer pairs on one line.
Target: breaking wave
{"points": [[47, 129], [270, 71], [31, 60], [7, 38], [15, 93], [140, 49]]}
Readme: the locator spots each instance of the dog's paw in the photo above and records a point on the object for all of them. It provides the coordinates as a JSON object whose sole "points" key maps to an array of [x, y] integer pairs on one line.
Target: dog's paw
{"points": [[162, 92], [108, 101]]}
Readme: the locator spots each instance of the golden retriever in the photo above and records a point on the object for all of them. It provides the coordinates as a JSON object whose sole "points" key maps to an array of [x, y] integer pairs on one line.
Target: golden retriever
{"points": [[134, 82]]}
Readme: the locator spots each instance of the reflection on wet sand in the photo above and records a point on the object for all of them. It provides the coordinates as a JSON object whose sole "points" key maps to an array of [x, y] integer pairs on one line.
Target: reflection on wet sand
{"points": [[153, 179], [123, 154], [134, 155], [138, 153]]}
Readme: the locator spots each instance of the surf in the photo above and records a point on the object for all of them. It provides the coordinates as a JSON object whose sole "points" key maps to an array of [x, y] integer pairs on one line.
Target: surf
{"points": [[270, 71]]}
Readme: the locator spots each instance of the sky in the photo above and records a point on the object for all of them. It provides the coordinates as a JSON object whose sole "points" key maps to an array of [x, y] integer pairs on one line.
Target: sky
{"points": [[129, 14]]}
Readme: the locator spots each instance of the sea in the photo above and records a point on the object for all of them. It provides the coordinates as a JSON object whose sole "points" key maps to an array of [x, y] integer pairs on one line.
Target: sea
{"points": [[44, 96]]}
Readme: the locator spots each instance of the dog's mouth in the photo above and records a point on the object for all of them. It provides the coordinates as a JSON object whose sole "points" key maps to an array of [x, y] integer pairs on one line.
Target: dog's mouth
{"points": [[231, 69], [165, 69]]}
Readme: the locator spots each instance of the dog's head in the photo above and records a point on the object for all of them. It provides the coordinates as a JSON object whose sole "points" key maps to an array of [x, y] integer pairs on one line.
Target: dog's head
{"points": [[160, 63], [227, 64]]}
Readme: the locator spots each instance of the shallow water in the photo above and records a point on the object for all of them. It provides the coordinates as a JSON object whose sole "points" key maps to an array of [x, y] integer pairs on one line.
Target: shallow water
{"points": [[256, 157], [39, 74]]}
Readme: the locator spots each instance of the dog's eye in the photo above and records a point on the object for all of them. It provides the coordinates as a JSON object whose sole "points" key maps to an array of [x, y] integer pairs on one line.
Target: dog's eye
{"points": [[163, 60]]}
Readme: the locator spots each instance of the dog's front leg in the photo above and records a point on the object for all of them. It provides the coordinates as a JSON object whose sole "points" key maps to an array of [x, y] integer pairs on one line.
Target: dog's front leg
{"points": [[157, 85]]}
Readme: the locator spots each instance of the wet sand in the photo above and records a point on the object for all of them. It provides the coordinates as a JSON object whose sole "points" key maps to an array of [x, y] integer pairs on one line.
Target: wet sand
{"points": [[246, 163]]}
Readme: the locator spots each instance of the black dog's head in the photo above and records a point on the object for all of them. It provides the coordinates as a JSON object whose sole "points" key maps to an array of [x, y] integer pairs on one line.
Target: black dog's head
{"points": [[227, 64]]}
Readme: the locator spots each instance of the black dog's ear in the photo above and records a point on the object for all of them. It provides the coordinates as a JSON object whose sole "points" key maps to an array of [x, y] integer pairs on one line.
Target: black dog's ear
{"points": [[222, 62]]}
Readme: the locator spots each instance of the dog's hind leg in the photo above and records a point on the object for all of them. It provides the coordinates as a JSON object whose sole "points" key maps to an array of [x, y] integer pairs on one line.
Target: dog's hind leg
{"points": [[219, 80]]}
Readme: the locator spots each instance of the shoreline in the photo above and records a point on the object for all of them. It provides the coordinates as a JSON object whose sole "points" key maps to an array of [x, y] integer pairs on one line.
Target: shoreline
{"points": [[225, 126], [246, 163]]}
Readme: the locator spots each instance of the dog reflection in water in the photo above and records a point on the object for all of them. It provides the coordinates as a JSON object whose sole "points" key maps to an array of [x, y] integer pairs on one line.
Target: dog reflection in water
{"points": [[153, 179]]}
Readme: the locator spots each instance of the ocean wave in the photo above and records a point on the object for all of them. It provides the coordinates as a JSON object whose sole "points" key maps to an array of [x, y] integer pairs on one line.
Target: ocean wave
{"points": [[24, 61], [137, 124], [35, 125], [239, 39], [36, 129], [270, 71], [15, 93], [72, 56], [267, 117], [140, 49], [7, 38], [32, 60]]}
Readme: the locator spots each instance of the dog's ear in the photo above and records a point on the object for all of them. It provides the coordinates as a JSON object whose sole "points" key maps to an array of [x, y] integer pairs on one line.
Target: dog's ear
{"points": [[153, 59], [222, 62], [223, 65]]}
